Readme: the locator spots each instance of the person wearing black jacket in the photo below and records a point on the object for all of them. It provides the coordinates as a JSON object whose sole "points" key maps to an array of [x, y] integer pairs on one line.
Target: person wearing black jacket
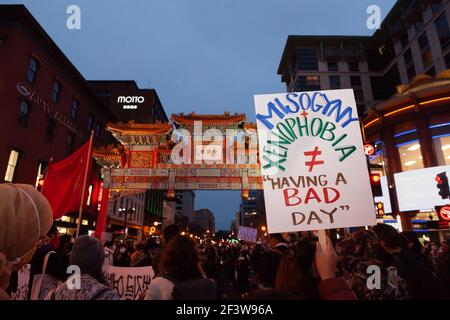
{"points": [[169, 232], [182, 277], [122, 257], [57, 264], [271, 259], [411, 266]]}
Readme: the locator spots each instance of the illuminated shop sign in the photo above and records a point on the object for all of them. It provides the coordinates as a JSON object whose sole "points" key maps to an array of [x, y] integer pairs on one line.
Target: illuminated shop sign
{"points": [[34, 97], [130, 102]]}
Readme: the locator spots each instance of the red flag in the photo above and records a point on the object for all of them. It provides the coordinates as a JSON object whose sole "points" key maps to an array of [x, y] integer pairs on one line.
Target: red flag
{"points": [[100, 227], [63, 182]]}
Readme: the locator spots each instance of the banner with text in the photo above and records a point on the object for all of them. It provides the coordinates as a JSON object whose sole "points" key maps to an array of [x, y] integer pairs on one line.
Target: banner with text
{"points": [[247, 234], [129, 283], [312, 159], [23, 278]]}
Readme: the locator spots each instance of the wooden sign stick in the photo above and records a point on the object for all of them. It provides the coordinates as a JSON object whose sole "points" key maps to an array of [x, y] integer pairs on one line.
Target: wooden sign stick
{"points": [[323, 240]]}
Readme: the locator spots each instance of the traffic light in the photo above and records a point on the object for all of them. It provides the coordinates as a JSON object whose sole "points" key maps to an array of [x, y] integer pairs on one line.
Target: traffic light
{"points": [[442, 185], [375, 183], [171, 195], [380, 209]]}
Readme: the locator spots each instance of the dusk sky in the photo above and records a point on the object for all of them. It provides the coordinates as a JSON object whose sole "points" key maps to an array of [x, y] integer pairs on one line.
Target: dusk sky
{"points": [[207, 56]]}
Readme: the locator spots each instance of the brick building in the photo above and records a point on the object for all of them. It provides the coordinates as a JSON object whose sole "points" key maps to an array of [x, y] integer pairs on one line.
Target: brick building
{"points": [[49, 109]]}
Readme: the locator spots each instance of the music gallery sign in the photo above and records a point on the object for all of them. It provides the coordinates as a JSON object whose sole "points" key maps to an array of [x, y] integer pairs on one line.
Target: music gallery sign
{"points": [[34, 97], [312, 159]]}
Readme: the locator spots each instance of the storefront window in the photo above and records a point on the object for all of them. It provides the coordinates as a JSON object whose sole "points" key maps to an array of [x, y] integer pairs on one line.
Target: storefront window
{"points": [[410, 155], [441, 142], [442, 148], [407, 141]]}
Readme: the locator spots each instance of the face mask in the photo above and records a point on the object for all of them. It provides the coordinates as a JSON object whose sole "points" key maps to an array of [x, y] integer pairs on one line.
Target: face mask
{"points": [[122, 250]]}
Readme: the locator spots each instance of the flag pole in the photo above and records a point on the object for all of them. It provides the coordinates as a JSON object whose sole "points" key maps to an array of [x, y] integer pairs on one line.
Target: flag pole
{"points": [[45, 175], [80, 211]]}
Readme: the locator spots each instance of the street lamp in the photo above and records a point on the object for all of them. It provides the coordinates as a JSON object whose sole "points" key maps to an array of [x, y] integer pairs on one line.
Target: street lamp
{"points": [[263, 228], [126, 213]]}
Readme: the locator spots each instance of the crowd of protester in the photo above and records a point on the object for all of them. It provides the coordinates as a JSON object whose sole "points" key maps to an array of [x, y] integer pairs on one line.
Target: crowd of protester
{"points": [[375, 264]]}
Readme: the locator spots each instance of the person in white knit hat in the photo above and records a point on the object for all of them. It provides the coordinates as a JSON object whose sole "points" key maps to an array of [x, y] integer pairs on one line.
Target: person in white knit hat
{"points": [[25, 216]]}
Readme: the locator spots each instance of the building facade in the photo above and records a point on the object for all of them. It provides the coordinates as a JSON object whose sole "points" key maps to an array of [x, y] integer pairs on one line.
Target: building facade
{"points": [[179, 208], [252, 212], [135, 213], [185, 201], [248, 210], [400, 79], [205, 220], [169, 215], [127, 213], [413, 39], [48, 109], [411, 133], [130, 103], [234, 225]]}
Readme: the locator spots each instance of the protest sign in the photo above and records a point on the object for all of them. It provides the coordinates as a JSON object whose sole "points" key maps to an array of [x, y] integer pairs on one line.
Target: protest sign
{"points": [[314, 169], [247, 234], [129, 283], [23, 279]]}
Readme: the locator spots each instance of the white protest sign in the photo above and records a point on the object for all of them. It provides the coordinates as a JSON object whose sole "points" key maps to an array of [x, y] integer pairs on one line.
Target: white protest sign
{"points": [[23, 279], [247, 234], [313, 164], [129, 283]]}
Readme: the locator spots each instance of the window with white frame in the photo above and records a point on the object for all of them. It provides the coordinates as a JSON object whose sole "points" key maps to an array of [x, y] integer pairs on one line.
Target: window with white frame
{"points": [[12, 164]]}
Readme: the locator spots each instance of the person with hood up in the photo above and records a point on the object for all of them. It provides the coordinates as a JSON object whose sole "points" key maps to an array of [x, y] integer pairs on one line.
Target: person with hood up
{"points": [[88, 255]]}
